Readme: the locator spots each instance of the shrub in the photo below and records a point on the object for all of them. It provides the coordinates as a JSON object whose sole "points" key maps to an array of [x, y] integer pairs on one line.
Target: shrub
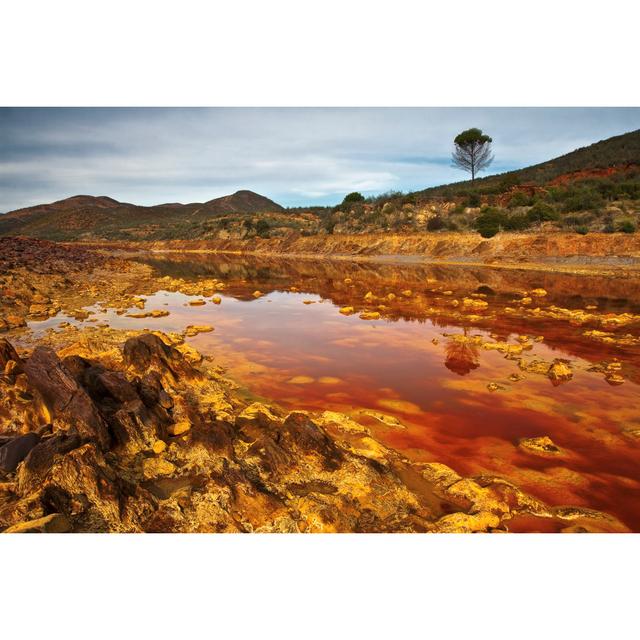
{"points": [[519, 199], [262, 228], [582, 199], [626, 226], [435, 224], [542, 212], [582, 230], [353, 197], [517, 222], [489, 222], [473, 200]]}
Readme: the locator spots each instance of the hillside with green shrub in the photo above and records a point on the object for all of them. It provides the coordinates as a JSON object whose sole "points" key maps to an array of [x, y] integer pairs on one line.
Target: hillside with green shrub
{"points": [[593, 189]]}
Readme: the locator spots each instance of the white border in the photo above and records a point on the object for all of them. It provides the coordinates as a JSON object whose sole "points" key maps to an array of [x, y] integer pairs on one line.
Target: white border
{"points": [[285, 52]]}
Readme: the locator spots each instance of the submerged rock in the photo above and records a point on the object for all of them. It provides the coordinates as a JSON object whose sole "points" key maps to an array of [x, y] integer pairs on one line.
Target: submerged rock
{"points": [[542, 445]]}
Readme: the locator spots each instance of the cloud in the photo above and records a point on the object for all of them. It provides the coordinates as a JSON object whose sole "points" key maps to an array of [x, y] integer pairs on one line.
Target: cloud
{"points": [[295, 156]]}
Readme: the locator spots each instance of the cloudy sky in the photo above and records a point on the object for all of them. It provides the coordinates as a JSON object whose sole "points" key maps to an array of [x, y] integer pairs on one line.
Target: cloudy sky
{"points": [[296, 156]]}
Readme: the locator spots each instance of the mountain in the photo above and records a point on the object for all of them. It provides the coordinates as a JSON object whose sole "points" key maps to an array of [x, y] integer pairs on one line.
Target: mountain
{"points": [[100, 217]]}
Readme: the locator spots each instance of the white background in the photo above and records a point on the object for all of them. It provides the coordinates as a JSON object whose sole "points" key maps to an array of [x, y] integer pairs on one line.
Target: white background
{"points": [[319, 53]]}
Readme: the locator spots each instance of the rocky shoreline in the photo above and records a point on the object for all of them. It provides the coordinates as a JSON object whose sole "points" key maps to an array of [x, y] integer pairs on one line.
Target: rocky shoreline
{"points": [[105, 430], [605, 253]]}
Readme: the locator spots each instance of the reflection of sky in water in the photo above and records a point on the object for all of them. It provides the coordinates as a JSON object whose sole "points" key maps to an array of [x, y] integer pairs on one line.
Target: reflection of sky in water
{"points": [[311, 356]]}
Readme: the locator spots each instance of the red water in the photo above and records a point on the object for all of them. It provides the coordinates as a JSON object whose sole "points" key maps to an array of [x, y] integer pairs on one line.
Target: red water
{"points": [[406, 366]]}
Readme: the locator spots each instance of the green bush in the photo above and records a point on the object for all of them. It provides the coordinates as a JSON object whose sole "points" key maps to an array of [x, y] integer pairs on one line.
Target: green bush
{"points": [[582, 200], [519, 199], [262, 228], [582, 230], [626, 226], [473, 200], [490, 221], [542, 212], [517, 222], [353, 197]]}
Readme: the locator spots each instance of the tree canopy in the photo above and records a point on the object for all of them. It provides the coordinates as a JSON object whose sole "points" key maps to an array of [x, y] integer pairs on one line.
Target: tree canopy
{"points": [[472, 151]]}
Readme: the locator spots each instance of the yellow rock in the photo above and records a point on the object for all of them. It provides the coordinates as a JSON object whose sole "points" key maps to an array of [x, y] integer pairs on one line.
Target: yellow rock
{"points": [[370, 315], [308, 302], [369, 297], [195, 329], [560, 371], [159, 313], [347, 311], [159, 446], [257, 294], [347, 280], [391, 297], [407, 293], [439, 474], [154, 467], [538, 292], [541, 446], [472, 303], [525, 301], [614, 378], [180, 427], [467, 523], [197, 303], [216, 299]]}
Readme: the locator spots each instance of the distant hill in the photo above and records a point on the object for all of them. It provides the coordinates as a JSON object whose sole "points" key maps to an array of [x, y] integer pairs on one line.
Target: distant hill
{"points": [[101, 217]]}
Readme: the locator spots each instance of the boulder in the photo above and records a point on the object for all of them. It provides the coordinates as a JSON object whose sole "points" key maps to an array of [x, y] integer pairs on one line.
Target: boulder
{"points": [[149, 353], [67, 402], [16, 450]]}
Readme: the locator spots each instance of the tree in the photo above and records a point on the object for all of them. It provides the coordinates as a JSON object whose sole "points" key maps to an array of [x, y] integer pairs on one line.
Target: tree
{"points": [[472, 151], [353, 197]]}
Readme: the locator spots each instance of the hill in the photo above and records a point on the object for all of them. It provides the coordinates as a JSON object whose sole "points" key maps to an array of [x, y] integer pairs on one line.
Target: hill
{"points": [[609, 155], [592, 189], [90, 217]]}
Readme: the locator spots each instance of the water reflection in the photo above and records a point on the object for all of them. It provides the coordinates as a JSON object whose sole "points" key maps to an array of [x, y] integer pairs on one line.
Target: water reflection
{"points": [[457, 361], [462, 357]]}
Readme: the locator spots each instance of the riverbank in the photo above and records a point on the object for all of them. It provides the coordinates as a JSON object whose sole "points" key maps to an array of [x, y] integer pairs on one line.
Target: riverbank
{"points": [[559, 252], [109, 429]]}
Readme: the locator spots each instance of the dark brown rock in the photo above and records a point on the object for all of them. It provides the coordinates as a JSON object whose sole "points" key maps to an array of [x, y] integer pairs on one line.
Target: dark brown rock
{"points": [[7, 353], [16, 450], [147, 352], [68, 403]]}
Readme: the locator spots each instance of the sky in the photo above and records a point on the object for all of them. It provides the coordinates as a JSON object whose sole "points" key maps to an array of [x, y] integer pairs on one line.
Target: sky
{"points": [[295, 156]]}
